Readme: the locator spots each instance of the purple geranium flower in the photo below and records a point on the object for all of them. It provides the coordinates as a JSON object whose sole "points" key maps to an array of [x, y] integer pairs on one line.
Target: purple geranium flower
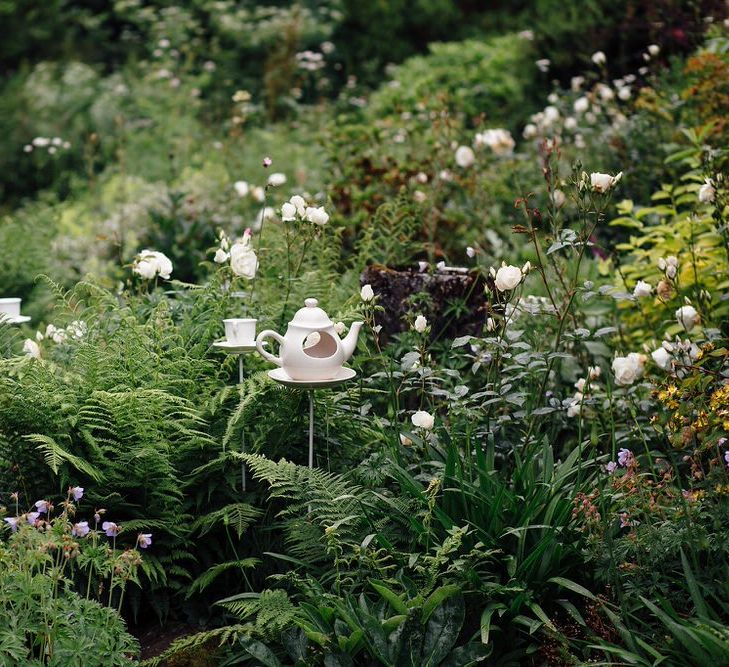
{"points": [[42, 506], [12, 522], [610, 467], [110, 528], [625, 456], [80, 529], [33, 517], [144, 540], [77, 492]]}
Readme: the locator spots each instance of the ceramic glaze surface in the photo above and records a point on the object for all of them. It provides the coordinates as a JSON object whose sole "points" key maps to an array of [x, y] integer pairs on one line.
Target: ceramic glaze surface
{"points": [[10, 306], [311, 349]]}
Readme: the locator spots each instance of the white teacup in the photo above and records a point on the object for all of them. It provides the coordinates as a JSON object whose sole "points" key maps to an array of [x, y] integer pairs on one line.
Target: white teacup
{"points": [[240, 331], [10, 307]]}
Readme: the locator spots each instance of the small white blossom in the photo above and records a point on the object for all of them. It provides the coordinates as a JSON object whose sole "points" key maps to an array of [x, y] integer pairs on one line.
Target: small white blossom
{"points": [[662, 358], [628, 369], [276, 179], [420, 324], [642, 288], [241, 188], [150, 263], [707, 192], [423, 419], [604, 182], [31, 348], [599, 58], [316, 215], [465, 157], [243, 260], [220, 256], [508, 277], [288, 212]]}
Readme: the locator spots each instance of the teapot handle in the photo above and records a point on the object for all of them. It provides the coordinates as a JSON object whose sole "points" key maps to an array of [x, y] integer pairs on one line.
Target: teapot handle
{"points": [[264, 353]]}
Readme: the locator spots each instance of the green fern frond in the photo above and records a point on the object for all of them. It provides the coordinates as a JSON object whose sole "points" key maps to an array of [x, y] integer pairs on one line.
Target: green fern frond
{"points": [[236, 515], [207, 577]]}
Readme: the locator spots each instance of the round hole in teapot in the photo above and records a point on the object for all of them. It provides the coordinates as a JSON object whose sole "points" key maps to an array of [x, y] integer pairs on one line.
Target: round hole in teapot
{"points": [[320, 345]]}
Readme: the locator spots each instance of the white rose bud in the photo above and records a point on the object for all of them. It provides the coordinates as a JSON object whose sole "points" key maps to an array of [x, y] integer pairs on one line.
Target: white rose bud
{"points": [[367, 293], [339, 327], [220, 256], [423, 419], [707, 192], [420, 324], [687, 317], [31, 348], [642, 288], [507, 278], [300, 204]]}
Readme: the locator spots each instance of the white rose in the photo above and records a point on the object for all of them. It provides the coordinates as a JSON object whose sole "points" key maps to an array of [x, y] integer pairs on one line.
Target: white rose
{"points": [[276, 179], [642, 288], [243, 260], [423, 419], [317, 215], [498, 140], [299, 203], [599, 58], [258, 193], [420, 324], [604, 182], [570, 123], [507, 278], [339, 327], [530, 131], [624, 93], [543, 64], [367, 293], [31, 348], [465, 157], [707, 192], [654, 49], [151, 263], [662, 358], [288, 212], [581, 105], [558, 198], [241, 188], [628, 369], [687, 317], [221, 257], [419, 196], [574, 409], [471, 252]]}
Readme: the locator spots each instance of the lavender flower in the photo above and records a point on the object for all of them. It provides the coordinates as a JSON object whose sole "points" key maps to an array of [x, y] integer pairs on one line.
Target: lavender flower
{"points": [[12, 522], [610, 467], [726, 457], [77, 492], [625, 456], [42, 506], [33, 517], [110, 528], [144, 540], [80, 529]]}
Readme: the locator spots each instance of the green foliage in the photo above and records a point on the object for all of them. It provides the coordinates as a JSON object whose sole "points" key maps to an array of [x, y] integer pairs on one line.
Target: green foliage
{"points": [[490, 77]]}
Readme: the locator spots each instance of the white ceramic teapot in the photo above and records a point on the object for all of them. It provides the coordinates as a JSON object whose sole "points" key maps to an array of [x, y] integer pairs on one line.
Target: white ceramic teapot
{"points": [[308, 357]]}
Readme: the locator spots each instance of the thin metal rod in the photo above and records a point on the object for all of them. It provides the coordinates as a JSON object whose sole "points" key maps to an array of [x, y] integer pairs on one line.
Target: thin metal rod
{"points": [[311, 428], [243, 432]]}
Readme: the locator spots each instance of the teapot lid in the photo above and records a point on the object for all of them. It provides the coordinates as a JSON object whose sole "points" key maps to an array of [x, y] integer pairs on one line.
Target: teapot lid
{"points": [[311, 316]]}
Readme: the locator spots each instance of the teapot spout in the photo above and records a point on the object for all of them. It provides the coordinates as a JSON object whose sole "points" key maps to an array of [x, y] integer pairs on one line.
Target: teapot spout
{"points": [[350, 341]]}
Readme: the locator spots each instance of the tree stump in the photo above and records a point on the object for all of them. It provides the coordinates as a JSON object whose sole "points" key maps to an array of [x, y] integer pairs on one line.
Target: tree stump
{"points": [[455, 301]]}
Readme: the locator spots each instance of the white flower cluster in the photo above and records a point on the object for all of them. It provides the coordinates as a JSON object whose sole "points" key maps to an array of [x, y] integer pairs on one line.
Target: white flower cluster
{"points": [[673, 356], [242, 257], [585, 387], [297, 208], [51, 145], [256, 192], [498, 140], [310, 60], [76, 330], [150, 263]]}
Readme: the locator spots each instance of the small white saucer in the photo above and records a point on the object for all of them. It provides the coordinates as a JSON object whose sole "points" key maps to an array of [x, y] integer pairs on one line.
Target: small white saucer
{"points": [[20, 319], [234, 348], [344, 375]]}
